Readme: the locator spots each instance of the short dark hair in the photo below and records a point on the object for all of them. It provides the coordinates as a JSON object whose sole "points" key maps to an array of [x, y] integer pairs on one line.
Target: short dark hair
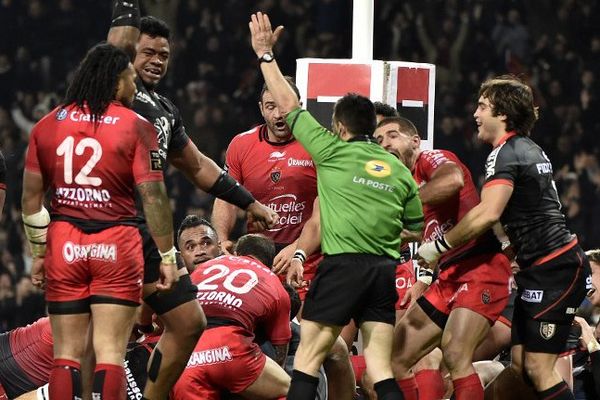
{"points": [[258, 246], [96, 79], [155, 27], [405, 124], [192, 221], [295, 302], [357, 113], [385, 110], [289, 80], [593, 255], [510, 96]]}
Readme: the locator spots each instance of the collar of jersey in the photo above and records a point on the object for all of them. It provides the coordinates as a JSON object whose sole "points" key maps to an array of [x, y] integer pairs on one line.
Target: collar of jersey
{"points": [[505, 138], [264, 135], [363, 138]]}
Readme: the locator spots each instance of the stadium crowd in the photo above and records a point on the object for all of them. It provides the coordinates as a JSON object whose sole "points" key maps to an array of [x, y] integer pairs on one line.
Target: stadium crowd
{"points": [[215, 82]]}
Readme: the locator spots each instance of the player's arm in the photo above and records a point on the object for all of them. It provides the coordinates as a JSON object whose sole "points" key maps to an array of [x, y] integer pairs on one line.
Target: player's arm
{"points": [[263, 41], [206, 175], [281, 351], [478, 220], [125, 26], [307, 243], [445, 182], [223, 219]]}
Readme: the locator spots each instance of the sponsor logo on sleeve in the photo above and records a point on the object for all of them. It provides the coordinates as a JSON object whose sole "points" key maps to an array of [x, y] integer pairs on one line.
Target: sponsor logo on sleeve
{"points": [[532, 296], [378, 168], [61, 114], [155, 161]]}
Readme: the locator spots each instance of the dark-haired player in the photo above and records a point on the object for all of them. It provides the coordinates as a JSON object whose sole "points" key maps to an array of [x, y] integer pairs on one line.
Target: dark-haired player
{"points": [[198, 241], [521, 194], [239, 294], [148, 42], [91, 153]]}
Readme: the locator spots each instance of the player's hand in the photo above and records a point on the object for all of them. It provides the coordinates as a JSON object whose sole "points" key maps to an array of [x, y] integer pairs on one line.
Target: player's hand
{"points": [[227, 247], [587, 332], [428, 251], [263, 36], [262, 216], [168, 277], [38, 275], [295, 274], [414, 293], [282, 260]]}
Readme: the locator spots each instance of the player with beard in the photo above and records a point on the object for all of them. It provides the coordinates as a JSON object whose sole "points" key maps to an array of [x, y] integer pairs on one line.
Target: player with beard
{"points": [[148, 44], [457, 310]]}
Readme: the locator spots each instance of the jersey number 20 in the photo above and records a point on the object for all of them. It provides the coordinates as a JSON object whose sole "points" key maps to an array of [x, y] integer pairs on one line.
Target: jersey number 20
{"points": [[83, 177]]}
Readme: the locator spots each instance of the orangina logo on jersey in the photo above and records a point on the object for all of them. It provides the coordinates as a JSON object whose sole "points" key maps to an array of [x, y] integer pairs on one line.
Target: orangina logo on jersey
{"points": [[378, 168]]}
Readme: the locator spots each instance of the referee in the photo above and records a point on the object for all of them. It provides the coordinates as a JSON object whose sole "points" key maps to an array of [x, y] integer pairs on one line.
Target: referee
{"points": [[364, 194]]}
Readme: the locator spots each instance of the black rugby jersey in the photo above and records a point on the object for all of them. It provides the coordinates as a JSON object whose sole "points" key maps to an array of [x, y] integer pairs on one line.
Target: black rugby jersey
{"points": [[165, 117], [167, 121], [532, 218]]}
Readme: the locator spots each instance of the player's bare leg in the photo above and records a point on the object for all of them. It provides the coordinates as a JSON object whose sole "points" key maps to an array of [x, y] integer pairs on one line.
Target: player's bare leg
{"points": [[497, 339], [273, 382], [316, 340], [340, 375], [415, 336], [183, 326], [464, 331], [69, 334]]}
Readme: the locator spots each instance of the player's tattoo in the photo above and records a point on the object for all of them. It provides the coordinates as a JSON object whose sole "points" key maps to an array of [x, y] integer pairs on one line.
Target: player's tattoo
{"points": [[156, 208], [280, 354]]}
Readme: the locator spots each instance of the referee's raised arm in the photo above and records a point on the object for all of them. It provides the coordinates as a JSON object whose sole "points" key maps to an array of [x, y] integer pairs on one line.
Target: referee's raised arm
{"points": [[263, 40]]}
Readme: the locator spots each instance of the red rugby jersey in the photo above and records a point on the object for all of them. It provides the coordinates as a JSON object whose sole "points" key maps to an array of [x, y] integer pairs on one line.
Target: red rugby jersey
{"points": [[92, 169], [440, 218], [282, 176], [31, 347], [242, 289]]}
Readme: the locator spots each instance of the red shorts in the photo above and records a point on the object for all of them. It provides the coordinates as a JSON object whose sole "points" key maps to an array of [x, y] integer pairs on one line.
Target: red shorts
{"points": [[78, 266], [310, 269], [405, 279], [480, 283], [224, 358], [359, 366]]}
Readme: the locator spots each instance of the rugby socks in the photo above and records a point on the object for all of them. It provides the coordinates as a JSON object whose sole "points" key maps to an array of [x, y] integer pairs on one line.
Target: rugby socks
{"points": [[468, 388], [303, 386], [109, 382], [559, 391], [409, 388], [388, 390], [431, 384], [65, 380]]}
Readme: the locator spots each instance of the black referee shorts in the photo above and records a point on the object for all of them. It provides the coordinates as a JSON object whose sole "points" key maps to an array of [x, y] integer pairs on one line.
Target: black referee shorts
{"points": [[352, 286], [548, 296]]}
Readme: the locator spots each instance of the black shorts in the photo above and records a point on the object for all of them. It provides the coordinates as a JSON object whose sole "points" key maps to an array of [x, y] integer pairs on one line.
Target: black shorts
{"points": [[352, 286], [12, 377], [136, 363], [548, 296], [183, 292]]}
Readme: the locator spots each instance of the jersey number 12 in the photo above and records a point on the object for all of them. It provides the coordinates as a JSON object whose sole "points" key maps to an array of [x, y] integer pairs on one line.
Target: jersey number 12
{"points": [[83, 177]]}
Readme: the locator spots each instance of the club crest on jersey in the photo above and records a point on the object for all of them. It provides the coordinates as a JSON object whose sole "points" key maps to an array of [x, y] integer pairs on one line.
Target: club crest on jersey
{"points": [[486, 297], [155, 161], [275, 176], [378, 168], [547, 330]]}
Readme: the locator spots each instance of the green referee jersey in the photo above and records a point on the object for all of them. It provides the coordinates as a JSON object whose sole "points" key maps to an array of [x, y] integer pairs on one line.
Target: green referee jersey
{"points": [[366, 195]]}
